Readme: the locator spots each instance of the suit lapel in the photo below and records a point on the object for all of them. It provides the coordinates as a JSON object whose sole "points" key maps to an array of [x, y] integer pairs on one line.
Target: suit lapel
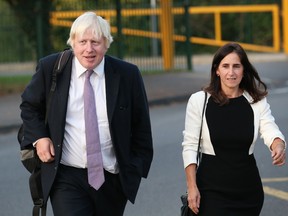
{"points": [[60, 98], [63, 86], [112, 79]]}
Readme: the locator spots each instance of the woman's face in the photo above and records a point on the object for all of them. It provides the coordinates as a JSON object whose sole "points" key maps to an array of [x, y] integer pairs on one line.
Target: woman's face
{"points": [[230, 71]]}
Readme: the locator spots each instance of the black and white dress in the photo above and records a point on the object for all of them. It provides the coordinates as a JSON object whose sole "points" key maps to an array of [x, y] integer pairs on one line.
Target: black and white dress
{"points": [[229, 181]]}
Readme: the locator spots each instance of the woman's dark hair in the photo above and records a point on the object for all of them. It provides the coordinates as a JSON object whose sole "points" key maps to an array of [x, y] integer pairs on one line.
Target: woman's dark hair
{"points": [[251, 81]]}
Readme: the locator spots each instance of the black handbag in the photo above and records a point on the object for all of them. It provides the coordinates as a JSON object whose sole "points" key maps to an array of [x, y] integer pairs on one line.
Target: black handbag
{"points": [[185, 210]]}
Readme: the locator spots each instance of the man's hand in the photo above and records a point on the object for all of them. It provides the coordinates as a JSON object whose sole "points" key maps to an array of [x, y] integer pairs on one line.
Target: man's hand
{"points": [[45, 150]]}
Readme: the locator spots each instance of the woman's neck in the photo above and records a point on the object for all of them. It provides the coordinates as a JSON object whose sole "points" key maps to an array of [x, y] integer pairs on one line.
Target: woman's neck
{"points": [[233, 93]]}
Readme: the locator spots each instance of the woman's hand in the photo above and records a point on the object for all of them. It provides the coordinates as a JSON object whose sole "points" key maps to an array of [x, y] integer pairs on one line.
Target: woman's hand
{"points": [[278, 152], [194, 199], [192, 189]]}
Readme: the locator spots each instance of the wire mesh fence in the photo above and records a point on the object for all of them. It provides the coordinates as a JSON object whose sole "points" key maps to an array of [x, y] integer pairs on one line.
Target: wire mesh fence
{"points": [[143, 33]]}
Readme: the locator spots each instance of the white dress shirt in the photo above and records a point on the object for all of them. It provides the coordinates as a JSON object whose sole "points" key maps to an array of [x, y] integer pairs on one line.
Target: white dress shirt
{"points": [[74, 143]]}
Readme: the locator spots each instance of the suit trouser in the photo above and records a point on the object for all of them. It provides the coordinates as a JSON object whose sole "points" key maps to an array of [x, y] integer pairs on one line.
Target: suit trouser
{"points": [[71, 194]]}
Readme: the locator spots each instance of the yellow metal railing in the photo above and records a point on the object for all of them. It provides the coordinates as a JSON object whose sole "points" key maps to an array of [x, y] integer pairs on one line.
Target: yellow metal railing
{"points": [[218, 10], [167, 36], [285, 25]]}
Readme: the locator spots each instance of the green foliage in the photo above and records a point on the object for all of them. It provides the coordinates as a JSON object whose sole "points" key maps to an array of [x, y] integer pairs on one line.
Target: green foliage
{"points": [[14, 43], [33, 19], [19, 29]]}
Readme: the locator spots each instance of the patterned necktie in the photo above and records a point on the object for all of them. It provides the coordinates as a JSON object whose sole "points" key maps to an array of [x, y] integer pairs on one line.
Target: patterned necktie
{"points": [[94, 156]]}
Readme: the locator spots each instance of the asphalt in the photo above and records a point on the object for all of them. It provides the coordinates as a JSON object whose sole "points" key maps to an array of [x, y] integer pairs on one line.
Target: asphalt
{"points": [[162, 89]]}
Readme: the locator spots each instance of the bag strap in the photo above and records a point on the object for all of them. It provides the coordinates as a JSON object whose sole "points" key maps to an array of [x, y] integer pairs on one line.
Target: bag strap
{"points": [[36, 193], [35, 178], [60, 63], [200, 134]]}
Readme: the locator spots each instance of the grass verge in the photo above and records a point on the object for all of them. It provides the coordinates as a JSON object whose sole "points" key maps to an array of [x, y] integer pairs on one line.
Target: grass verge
{"points": [[13, 84]]}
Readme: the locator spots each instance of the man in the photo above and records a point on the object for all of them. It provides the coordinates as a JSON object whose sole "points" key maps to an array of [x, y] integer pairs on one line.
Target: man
{"points": [[122, 119]]}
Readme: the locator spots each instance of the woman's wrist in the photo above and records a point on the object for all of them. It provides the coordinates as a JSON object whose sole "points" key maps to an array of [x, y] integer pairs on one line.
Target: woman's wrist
{"points": [[277, 142]]}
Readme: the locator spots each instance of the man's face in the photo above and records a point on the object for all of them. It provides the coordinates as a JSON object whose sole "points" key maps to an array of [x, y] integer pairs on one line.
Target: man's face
{"points": [[89, 50]]}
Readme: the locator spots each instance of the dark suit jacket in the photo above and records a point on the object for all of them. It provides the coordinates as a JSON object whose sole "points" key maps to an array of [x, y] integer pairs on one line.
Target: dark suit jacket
{"points": [[127, 110]]}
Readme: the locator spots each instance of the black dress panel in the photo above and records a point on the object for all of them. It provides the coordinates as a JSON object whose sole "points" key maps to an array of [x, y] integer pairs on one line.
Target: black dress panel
{"points": [[229, 182]]}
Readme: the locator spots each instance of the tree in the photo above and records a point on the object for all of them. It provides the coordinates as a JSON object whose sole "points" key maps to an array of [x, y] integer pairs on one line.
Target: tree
{"points": [[33, 17]]}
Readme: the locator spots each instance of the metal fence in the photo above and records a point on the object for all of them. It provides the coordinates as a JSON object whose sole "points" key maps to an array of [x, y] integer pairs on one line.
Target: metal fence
{"points": [[155, 35]]}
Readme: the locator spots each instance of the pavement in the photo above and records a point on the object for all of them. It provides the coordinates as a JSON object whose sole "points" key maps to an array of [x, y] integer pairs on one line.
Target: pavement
{"points": [[162, 89]]}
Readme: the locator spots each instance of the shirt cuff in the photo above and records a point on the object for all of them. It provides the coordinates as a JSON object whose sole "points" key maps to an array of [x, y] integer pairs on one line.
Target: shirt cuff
{"points": [[34, 143]]}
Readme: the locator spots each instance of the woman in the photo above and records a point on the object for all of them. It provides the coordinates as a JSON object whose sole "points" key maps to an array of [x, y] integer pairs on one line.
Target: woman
{"points": [[228, 181]]}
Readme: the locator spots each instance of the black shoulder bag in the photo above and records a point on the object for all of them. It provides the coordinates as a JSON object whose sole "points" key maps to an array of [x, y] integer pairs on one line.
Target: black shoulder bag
{"points": [[29, 157], [185, 210]]}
